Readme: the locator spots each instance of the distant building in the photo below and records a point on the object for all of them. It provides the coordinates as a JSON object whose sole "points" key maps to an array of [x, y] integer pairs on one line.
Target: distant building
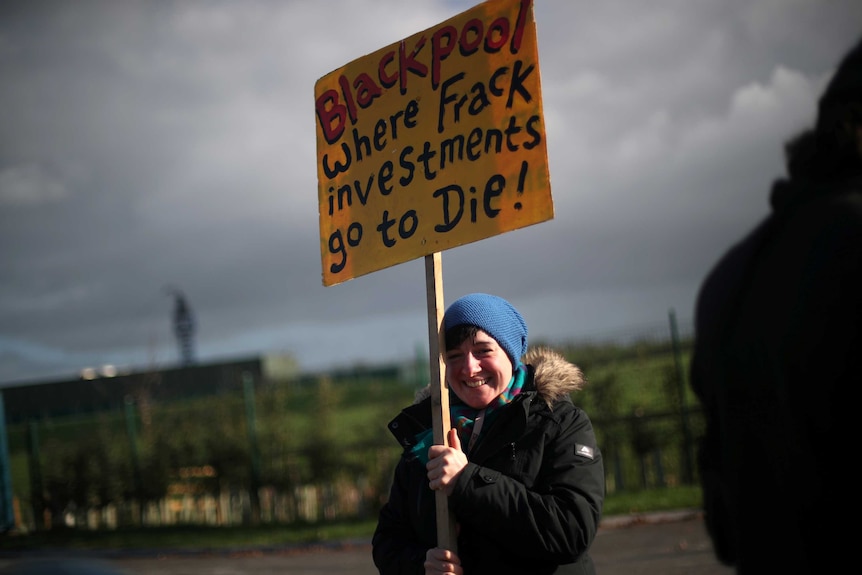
{"points": [[99, 390]]}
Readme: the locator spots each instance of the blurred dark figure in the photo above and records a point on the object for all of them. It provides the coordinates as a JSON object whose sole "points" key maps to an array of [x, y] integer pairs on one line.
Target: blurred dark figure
{"points": [[776, 358]]}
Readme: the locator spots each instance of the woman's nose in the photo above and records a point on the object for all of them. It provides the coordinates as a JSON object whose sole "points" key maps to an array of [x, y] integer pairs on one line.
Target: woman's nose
{"points": [[471, 363]]}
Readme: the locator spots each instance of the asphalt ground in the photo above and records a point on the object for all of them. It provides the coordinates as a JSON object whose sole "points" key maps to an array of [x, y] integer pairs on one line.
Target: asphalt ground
{"points": [[673, 543]]}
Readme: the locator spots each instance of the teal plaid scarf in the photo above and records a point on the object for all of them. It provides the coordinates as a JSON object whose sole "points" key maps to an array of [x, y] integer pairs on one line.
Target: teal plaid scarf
{"points": [[464, 417]]}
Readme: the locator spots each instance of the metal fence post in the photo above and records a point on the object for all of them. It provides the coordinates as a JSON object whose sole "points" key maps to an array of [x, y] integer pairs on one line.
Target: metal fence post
{"points": [[254, 451], [688, 468], [37, 488], [132, 430], [7, 517]]}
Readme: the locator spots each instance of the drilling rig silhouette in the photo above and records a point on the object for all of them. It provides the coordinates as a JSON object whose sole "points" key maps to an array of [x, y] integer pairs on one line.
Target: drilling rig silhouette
{"points": [[184, 325]]}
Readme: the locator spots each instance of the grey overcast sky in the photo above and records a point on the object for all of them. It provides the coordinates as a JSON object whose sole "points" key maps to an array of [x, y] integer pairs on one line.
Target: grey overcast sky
{"points": [[154, 144]]}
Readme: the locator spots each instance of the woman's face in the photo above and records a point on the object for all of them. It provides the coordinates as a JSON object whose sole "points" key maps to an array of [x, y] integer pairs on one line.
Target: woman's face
{"points": [[478, 370]]}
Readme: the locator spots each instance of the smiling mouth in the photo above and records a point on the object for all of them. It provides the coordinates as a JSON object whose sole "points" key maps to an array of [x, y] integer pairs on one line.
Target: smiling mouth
{"points": [[475, 384]]}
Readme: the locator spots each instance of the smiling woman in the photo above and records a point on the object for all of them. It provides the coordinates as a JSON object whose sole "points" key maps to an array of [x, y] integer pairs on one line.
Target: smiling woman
{"points": [[522, 471]]}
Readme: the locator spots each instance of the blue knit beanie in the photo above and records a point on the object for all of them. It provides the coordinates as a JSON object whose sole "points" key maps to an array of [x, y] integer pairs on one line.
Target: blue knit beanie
{"points": [[493, 315]]}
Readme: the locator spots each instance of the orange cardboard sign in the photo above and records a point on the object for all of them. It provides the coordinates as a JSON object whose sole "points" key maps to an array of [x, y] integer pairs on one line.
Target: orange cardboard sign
{"points": [[432, 142]]}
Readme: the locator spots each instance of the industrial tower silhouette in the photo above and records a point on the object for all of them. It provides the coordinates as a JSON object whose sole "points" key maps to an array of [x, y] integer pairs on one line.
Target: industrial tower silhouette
{"points": [[184, 325]]}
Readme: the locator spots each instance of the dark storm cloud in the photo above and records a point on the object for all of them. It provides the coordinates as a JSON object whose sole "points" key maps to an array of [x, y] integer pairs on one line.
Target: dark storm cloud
{"points": [[172, 143]]}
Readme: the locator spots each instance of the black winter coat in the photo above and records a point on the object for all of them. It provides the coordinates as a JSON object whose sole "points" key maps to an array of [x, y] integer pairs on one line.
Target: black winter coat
{"points": [[778, 338], [530, 498]]}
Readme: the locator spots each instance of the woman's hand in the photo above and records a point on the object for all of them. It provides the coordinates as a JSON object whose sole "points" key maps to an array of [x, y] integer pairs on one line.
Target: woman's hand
{"points": [[445, 464], [442, 562]]}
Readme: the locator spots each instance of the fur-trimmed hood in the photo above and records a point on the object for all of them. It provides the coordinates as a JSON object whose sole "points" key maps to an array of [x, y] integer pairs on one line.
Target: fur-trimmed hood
{"points": [[554, 376]]}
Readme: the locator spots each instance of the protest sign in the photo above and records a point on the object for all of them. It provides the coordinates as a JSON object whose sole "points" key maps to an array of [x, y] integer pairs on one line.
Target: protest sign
{"points": [[432, 142]]}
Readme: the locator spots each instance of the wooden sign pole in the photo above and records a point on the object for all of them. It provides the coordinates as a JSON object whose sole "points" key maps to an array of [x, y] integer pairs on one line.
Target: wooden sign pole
{"points": [[446, 536]]}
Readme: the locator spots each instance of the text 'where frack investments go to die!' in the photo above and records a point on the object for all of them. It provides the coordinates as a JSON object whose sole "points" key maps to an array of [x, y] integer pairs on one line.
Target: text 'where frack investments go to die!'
{"points": [[432, 142]]}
